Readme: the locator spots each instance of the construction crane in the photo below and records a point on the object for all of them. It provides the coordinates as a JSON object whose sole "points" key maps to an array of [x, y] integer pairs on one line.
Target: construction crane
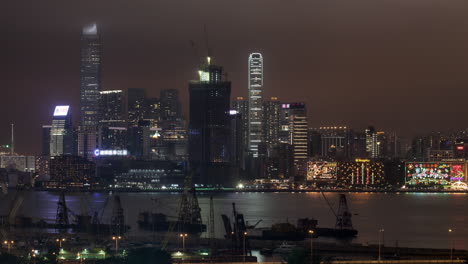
{"points": [[61, 218], [238, 231], [189, 211], [343, 219], [212, 225], [342, 215], [118, 219], [17, 203]]}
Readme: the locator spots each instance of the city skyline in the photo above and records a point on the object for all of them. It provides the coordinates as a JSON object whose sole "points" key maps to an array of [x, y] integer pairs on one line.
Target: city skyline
{"points": [[336, 63]]}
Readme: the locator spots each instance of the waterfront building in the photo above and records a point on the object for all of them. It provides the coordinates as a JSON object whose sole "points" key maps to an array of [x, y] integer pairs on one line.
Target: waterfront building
{"points": [[90, 78], [18, 162], [70, 171], [361, 173], [149, 175], [209, 125], [61, 132], [430, 174], [255, 102], [42, 168], [322, 172]]}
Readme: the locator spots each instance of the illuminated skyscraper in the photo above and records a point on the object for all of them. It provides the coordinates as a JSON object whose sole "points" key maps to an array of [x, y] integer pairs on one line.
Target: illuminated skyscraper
{"points": [[372, 147], [61, 132], [271, 123], [295, 114], [112, 125], [255, 102], [90, 75]]}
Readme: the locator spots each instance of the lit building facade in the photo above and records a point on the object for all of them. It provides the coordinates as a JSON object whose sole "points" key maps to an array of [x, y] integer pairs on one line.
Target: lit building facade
{"points": [[152, 111], [361, 173], [90, 80], [271, 123], [136, 105], [61, 132], [440, 173], [296, 114], [111, 105], [147, 175], [255, 102], [20, 163], [372, 146], [335, 142], [112, 126], [70, 171]]}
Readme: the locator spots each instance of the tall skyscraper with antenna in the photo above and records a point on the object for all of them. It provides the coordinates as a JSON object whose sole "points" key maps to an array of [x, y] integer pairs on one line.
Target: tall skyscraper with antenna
{"points": [[255, 102], [90, 84], [90, 75]]}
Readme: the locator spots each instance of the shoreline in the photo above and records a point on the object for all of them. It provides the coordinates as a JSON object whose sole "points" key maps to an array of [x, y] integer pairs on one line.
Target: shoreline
{"points": [[225, 190]]}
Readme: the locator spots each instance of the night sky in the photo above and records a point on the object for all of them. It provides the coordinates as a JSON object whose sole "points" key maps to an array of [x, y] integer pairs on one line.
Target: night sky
{"points": [[399, 65]]}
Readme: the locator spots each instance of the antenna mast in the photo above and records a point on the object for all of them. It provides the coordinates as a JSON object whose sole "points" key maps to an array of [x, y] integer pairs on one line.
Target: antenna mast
{"points": [[12, 149], [208, 50]]}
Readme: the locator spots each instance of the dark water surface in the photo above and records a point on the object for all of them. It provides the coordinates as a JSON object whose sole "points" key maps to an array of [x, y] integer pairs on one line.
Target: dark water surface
{"points": [[412, 219]]}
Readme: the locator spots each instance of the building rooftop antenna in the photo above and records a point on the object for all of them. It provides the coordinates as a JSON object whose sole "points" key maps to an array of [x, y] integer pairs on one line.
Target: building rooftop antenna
{"points": [[12, 149], [208, 50]]}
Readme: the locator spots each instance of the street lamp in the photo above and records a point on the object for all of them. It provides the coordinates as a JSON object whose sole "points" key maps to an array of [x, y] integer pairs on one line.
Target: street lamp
{"points": [[381, 231], [183, 236], [311, 232], [451, 244], [245, 252], [60, 240], [9, 244], [116, 238]]}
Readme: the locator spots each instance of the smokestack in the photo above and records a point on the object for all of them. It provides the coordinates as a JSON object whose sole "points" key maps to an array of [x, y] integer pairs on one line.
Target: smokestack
{"points": [[12, 149]]}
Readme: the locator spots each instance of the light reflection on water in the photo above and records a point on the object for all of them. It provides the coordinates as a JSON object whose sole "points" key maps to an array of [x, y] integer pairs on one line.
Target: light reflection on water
{"points": [[412, 219]]}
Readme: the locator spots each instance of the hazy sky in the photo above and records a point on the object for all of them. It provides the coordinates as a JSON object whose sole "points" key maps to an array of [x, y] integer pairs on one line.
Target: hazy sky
{"points": [[396, 64]]}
